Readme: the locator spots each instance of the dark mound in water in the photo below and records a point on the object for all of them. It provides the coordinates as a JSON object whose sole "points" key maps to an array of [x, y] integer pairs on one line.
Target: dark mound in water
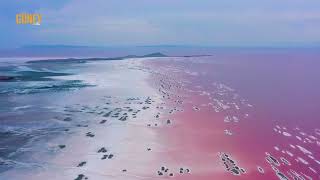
{"points": [[6, 78]]}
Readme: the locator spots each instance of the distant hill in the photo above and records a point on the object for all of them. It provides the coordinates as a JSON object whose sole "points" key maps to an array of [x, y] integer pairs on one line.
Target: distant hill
{"points": [[155, 55], [74, 51], [158, 54]]}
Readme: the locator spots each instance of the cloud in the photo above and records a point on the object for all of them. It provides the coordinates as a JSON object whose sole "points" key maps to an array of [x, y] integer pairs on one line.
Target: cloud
{"points": [[92, 24], [203, 22]]}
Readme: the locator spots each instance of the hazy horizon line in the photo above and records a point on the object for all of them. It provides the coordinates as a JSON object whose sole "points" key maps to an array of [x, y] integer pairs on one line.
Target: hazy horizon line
{"points": [[280, 45]]}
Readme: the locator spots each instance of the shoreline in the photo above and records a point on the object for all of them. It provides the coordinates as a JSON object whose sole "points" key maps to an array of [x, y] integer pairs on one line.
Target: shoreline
{"points": [[119, 132], [83, 60], [167, 118]]}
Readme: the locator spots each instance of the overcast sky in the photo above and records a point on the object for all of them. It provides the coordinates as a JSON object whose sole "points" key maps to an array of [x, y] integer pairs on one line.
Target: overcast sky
{"points": [[154, 22]]}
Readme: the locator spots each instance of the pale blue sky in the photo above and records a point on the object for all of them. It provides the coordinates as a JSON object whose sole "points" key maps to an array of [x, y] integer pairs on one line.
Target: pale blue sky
{"points": [[154, 22]]}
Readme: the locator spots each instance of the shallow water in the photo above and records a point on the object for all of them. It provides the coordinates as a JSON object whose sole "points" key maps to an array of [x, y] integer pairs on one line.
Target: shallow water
{"points": [[234, 115]]}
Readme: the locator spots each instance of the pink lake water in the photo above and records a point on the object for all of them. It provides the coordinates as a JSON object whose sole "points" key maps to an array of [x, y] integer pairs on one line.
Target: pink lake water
{"points": [[261, 109]]}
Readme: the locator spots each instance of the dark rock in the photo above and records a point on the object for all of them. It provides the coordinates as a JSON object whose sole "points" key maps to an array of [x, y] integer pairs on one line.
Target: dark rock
{"points": [[107, 114], [104, 157], [80, 177], [90, 134], [62, 146], [123, 118], [181, 170], [145, 107], [67, 119], [102, 150], [82, 164], [103, 121], [80, 125], [110, 156]]}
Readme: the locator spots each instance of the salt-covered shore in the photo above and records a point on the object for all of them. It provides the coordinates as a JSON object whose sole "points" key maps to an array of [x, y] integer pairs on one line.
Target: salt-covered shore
{"points": [[108, 134]]}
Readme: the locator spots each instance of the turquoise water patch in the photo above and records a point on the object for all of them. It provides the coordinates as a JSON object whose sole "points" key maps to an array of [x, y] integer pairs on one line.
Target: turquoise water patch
{"points": [[31, 78]]}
